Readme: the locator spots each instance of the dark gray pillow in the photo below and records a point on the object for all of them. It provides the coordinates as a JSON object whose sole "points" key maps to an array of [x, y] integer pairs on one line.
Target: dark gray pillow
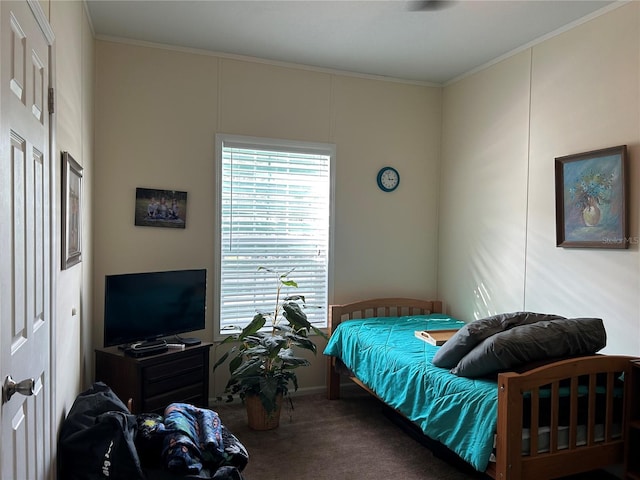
{"points": [[465, 339], [528, 343]]}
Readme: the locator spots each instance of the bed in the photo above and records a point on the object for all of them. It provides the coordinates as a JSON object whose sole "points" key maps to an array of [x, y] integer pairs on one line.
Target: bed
{"points": [[558, 418]]}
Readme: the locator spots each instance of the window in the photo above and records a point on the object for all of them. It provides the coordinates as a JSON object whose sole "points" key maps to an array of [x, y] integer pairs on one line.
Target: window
{"points": [[274, 212]]}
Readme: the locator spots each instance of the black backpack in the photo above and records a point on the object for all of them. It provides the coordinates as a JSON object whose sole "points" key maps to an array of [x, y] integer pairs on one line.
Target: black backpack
{"points": [[97, 438]]}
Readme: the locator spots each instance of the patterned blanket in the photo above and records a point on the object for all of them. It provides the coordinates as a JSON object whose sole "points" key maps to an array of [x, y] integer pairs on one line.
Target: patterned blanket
{"points": [[191, 440]]}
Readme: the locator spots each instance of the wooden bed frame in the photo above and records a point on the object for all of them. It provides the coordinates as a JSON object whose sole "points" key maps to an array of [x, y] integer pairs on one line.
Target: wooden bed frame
{"points": [[510, 463]]}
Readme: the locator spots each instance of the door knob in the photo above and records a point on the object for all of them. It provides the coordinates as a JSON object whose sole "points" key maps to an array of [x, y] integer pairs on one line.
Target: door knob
{"points": [[25, 387]]}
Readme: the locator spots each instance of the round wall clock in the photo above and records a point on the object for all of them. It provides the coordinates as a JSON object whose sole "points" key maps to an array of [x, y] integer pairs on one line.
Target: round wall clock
{"points": [[388, 179]]}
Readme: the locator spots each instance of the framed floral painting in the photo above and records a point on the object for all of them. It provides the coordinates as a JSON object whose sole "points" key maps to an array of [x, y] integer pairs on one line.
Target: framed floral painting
{"points": [[591, 199], [72, 211]]}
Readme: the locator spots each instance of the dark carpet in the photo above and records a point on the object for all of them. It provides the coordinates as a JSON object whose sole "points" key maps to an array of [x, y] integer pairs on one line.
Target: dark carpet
{"points": [[353, 438]]}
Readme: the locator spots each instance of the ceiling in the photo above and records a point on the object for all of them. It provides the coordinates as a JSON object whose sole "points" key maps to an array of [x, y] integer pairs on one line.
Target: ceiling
{"points": [[389, 38]]}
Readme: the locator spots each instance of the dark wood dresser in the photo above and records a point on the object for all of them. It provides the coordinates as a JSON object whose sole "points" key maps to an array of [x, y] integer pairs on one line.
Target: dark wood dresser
{"points": [[153, 382]]}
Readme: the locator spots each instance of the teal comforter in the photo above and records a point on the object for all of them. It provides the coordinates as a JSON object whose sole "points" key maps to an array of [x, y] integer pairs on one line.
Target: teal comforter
{"points": [[385, 355]]}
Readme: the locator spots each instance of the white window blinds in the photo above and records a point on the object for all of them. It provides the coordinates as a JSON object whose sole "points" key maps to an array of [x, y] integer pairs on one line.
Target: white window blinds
{"points": [[274, 213]]}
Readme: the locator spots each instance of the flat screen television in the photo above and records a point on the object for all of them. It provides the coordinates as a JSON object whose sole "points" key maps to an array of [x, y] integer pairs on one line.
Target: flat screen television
{"points": [[150, 306]]}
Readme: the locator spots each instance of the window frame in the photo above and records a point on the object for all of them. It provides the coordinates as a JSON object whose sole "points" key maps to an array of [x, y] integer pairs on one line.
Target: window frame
{"points": [[221, 140]]}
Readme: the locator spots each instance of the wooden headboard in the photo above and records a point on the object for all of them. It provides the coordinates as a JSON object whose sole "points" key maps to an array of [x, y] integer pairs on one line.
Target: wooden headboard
{"points": [[377, 307], [381, 307]]}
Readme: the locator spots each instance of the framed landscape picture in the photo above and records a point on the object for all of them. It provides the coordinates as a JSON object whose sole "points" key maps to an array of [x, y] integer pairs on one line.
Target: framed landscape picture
{"points": [[160, 208], [591, 199]]}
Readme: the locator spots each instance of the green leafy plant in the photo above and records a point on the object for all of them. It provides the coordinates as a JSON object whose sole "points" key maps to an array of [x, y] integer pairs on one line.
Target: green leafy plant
{"points": [[264, 358]]}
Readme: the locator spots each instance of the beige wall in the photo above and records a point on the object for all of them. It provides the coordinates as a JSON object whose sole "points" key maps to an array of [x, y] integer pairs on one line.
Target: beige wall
{"points": [[157, 113], [482, 222], [476, 202], [502, 129], [74, 69]]}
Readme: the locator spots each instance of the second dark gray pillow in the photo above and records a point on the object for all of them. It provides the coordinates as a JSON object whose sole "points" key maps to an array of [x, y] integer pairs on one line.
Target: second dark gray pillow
{"points": [[524, 344], [465, 339]]}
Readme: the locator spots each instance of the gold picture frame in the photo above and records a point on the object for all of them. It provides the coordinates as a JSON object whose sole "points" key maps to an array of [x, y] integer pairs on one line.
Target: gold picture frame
{"points": [[72, 211]]}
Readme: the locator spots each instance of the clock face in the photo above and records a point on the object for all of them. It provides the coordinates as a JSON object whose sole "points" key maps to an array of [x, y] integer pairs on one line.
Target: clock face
{"points": [[388, 179]]}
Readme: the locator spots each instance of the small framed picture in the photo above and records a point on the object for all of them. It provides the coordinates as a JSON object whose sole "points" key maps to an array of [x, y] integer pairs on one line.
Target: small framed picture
{"points": [[72, 211], [160, 208], [591, 199]]}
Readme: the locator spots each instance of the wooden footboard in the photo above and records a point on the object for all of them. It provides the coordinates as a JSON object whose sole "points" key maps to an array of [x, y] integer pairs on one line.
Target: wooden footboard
{"points": [[595, 438], [588, 387]]}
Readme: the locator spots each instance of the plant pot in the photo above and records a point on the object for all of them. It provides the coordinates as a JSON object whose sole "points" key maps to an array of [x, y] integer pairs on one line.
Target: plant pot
{"points": [[257, 416]]}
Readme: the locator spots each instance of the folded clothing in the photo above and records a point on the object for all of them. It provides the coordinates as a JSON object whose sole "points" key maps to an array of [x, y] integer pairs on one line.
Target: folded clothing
{"points": [[196, 437], [190, 441]]}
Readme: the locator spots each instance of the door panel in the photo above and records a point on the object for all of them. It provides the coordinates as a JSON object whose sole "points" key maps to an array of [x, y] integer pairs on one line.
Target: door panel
{"points": [[25, 242]]}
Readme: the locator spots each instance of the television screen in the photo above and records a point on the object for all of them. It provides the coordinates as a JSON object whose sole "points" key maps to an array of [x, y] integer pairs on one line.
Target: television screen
{"points": [[147, 306]]}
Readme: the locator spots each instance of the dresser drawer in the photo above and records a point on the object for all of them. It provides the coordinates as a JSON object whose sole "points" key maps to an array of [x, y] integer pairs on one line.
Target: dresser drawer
{"points": [[172, 375], [190, 394]]}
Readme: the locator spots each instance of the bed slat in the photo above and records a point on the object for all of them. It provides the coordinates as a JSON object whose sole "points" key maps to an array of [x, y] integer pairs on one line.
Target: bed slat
{"points": [[573, 413], [555, 413], [608, 433], [591, 417], [534, 422]]}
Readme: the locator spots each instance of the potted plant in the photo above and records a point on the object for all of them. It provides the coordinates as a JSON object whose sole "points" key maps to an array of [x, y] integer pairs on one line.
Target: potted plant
{"points": [[263, 361]]}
